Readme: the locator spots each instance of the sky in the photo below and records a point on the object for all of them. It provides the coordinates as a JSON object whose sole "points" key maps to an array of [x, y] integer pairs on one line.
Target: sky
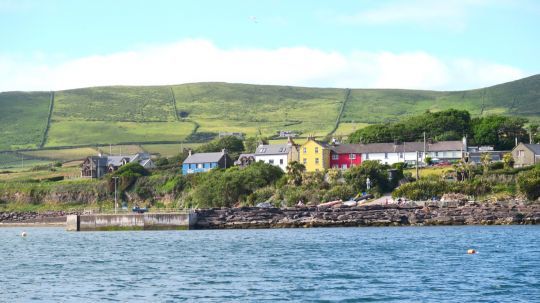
{"points": [[414, 44]]}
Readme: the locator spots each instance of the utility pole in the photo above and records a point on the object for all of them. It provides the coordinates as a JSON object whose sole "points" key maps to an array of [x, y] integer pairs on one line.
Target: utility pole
{"points": [[115, 195], [424, 146], [417, 172]]}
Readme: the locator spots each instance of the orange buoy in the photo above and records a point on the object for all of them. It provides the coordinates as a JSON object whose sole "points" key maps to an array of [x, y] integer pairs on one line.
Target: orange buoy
{"points": [[471, 251]]}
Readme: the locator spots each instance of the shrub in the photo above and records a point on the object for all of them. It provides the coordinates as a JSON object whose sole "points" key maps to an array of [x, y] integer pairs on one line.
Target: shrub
{"points": [[377, 173], [261, 195], [339, 192], [421, 190], [529, 183]]}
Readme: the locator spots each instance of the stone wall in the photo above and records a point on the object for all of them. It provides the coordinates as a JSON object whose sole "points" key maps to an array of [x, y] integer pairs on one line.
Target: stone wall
{"points": [[373, 215]]}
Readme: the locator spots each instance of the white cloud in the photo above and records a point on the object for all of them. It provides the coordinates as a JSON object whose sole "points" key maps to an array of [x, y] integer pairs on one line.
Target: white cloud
{"points": [[451, 14], [201, 61]]}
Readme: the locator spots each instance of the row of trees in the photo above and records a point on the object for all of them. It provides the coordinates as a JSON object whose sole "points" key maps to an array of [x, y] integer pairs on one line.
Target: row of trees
{"points": [[499, 131]]}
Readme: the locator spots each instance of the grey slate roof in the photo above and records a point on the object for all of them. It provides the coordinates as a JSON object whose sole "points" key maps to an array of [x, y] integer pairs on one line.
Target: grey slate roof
{"points": [[272, 149], [535, 148], [397, 148], [204, 158]]}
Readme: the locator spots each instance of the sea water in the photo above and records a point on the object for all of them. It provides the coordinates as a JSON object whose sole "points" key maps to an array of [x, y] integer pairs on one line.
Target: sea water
{"points": [[397, 264]]}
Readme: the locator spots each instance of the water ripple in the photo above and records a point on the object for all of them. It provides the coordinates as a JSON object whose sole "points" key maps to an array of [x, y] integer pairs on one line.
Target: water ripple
{"points": [[408, 264]]}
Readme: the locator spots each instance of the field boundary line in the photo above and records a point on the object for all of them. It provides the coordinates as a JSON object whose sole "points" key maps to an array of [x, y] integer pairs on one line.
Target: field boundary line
{"points": [[46, 132]]}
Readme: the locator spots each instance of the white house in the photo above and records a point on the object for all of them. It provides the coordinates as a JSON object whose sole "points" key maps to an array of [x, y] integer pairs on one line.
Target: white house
{"points": [[390, 153], [277, 154]]}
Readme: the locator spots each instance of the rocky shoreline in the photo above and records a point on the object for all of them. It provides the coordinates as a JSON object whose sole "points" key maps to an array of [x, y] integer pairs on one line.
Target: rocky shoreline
{"points": [[342, 216], [369, 215], [34, 218]]}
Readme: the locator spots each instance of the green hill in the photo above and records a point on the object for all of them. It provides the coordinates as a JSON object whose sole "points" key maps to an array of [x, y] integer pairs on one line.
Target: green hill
{"points": [[177, 113]]}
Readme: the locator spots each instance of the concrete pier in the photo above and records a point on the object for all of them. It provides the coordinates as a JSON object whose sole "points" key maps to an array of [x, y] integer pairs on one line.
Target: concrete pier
{"points": [[147, 221]]}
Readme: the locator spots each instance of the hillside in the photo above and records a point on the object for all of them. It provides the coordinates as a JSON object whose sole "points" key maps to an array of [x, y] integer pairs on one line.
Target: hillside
{"points": [[178, 113]]}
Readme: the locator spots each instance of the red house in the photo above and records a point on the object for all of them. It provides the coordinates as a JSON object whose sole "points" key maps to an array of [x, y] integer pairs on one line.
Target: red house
{"points": [[344, 156]]}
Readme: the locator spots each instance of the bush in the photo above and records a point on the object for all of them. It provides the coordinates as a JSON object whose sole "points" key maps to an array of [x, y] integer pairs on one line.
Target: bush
{"points": [[260, 195], [421, 190], [377, 173], [529, 183], [496, 165], [339, 192]]}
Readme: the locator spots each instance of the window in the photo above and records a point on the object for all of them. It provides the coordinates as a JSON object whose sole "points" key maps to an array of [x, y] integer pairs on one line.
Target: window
{"points": [[352, 156], [199, 165], [436, 154], [386, 155], [521, 153], [335, 157], [304, 161], [271, 161], [401, 155], [316, 160], [316, 150], [280, 161], [305, 150], [262, 150], [344, 166], [367, 156]]}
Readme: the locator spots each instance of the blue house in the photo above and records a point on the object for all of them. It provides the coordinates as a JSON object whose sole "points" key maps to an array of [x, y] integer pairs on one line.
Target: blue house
{"points": [[203, 162]]}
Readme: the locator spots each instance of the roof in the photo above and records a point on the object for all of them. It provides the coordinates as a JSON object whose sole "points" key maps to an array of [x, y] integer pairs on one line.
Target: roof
{"points": [[535, 148], [347, 148], [116, 160], [272, 149], [99, 161], [204, 158], [397, 148], [246, 156]]}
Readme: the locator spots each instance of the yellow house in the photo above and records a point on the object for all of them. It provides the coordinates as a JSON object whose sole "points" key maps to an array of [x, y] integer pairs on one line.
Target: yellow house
{"points": [[315, 155]]}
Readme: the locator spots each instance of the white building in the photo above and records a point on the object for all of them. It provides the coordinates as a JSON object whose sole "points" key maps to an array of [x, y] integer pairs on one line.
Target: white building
{"points": [[390, 153], [277, 154]]}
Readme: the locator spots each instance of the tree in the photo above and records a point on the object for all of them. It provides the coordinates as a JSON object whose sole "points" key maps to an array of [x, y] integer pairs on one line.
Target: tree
{"points": [[232, 144], [499, 131], [295, 171], [485, 159], [377, 173], [529, 183], [250, 144], [451, 124], [508, 160]]}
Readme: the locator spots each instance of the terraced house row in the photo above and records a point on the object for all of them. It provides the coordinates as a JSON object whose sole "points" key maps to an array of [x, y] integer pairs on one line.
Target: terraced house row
{"points": [[318, 156]]}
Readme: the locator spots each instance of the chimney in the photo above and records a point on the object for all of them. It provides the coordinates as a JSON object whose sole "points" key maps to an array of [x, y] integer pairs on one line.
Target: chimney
{"points": [[224, 151], [189, 152], [464, 140], [290, 141]]}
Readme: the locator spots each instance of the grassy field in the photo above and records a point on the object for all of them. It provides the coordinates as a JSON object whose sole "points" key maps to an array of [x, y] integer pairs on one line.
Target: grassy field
{"points": [[23, 118], [250, 108], [167, 150], [117, 103], [62, 154], [429, 171], [67, 133], [169, 113], [27, 174]]}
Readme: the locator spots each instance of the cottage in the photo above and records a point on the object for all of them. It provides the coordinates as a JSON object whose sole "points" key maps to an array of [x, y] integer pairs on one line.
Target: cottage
{"points": [[97, 166], [344, 156], [203, 162], [277, 154], [526, 154]]}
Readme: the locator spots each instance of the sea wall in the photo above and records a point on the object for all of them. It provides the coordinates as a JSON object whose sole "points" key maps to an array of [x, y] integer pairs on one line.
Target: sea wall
{"points": [[148, 221], [372, 215]]}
